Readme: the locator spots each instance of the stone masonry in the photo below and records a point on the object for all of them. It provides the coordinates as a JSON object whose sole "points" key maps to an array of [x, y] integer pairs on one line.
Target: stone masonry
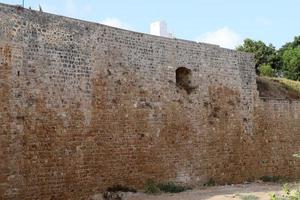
{"points": [[85, 106]]}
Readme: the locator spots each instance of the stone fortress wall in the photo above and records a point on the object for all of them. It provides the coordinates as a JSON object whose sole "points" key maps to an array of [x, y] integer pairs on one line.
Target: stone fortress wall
{"points": [[85, 106]]}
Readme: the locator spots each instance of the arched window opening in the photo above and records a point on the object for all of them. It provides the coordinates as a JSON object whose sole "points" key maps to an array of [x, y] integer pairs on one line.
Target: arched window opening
{"points": [[184, 79]]}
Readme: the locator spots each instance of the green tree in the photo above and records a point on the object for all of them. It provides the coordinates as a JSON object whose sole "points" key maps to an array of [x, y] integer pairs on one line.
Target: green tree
{"points": [[263, 54], [287, 50], [295, 43], [291, 63]]}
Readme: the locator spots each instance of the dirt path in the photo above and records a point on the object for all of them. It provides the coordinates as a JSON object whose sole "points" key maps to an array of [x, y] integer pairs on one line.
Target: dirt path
{"points": [[260, 191]]}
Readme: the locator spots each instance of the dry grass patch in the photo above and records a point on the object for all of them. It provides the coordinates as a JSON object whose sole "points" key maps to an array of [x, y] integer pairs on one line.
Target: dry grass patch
{"points": [[278, 88]]}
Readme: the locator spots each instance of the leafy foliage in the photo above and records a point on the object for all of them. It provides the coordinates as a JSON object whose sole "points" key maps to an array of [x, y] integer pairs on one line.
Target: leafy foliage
{"points": [[289, 194], [266, 70], [290, 45], [284, 61], [291, 63], [171, 187], [153, 188], [263, 54]]}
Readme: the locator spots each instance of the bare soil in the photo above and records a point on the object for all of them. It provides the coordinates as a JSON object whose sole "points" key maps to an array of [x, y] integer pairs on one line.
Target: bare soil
{"points": [[260, 191]]}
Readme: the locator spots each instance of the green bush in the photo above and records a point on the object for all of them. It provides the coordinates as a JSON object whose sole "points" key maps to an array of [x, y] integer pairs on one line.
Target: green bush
{"points": [[153, 188], [266, 70], [171, 187], [288, 194], [291, 63]]}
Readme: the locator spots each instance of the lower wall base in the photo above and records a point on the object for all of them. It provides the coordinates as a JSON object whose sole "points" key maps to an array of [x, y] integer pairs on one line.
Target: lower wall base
{"points": [[58, 165]]}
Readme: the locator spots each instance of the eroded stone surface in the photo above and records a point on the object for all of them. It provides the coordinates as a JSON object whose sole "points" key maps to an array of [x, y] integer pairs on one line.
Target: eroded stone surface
{"points": [[85, 106]]}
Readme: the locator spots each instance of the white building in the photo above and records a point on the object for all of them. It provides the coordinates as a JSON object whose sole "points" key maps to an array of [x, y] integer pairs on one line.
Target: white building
{"points": [[160, 28]]}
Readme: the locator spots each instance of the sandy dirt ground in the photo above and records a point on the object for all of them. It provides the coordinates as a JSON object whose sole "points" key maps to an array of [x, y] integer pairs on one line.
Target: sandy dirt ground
{"points": [[259, 191]]}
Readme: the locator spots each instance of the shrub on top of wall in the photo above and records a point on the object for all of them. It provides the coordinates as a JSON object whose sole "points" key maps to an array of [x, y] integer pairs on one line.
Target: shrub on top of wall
{"points": [[266, 70]]}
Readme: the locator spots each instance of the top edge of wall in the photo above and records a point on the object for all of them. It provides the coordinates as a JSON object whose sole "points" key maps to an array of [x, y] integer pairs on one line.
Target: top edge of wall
{"points": [[20, 8]]}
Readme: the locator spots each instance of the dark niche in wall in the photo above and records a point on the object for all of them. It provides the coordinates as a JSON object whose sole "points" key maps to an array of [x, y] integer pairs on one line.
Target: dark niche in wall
{"points": [[184, 79]]}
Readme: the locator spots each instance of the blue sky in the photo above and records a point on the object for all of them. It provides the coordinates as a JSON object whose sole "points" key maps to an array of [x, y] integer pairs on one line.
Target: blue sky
{"points": [[224, 22]]}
